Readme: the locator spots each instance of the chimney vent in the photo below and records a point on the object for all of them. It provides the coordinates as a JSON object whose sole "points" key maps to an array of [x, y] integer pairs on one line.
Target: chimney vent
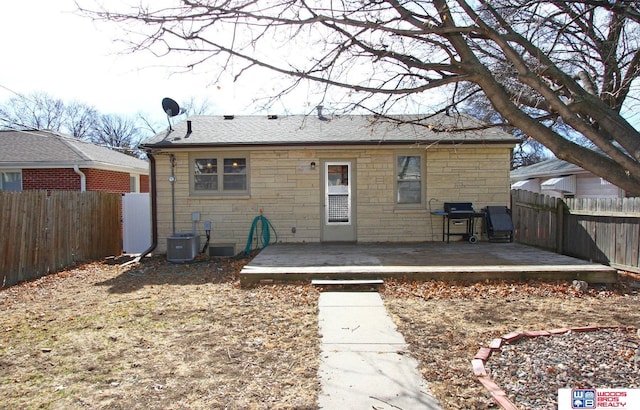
{"points": [[228, 117], [320, 115], [188, 126]]}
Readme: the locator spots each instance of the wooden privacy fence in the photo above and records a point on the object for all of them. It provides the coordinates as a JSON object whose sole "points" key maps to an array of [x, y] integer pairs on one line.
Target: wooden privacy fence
{"points": [[536, 219], [604, 230], [43, 232]]}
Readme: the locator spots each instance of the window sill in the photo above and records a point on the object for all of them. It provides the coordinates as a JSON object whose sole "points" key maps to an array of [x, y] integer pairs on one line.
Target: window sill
{"points": [[409, 208], [219, 196]]}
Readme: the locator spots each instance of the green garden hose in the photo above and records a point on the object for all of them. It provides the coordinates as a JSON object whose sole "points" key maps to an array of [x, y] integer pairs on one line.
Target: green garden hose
{"points": [[261, 229]]}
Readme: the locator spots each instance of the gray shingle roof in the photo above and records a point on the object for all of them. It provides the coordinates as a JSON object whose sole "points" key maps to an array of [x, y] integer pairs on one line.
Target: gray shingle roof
{"points": [[40, 149], [298, 129], [547, 168]]}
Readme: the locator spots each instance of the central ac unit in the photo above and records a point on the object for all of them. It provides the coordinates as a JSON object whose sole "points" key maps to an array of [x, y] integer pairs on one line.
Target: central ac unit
{"points": [[182, 247]]}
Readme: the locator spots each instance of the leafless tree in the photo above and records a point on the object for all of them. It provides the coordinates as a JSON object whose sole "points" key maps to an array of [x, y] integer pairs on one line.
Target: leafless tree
{"points": [[38, 110], [195, 106], [192, 106], [41, 111], [81, 120], [528, 151], [552, 69], [117, 132]]}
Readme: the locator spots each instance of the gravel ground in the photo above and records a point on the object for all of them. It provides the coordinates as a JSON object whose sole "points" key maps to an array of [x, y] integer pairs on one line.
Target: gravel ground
{"points": [[445, 323], [531, 370]]}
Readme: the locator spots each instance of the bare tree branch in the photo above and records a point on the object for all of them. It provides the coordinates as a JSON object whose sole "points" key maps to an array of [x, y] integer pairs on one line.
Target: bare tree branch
{"points": [[552, 69]]}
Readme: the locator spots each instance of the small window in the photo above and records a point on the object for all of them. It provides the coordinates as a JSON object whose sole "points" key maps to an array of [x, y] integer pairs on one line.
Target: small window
{"points": [[235, 174], [409, 179], [216, 175], [206, 174], [11, 180]]}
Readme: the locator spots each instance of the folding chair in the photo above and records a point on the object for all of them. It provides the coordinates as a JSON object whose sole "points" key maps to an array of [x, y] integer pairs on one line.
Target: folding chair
{"points": [[498, 223]]}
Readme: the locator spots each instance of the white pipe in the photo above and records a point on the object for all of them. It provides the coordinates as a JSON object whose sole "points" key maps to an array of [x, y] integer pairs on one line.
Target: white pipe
{"points": [[83, 178]]}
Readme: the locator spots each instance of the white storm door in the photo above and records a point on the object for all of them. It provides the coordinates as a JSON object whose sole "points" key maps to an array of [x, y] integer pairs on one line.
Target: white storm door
{"points": [[339, 204]]}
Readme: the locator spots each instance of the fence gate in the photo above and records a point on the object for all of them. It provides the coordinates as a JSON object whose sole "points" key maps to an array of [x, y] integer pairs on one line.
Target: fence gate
{"points": [[136, 222]]}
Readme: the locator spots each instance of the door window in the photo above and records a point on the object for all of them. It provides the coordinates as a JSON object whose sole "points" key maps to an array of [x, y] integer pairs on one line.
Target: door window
{"points": [[338, 193]]}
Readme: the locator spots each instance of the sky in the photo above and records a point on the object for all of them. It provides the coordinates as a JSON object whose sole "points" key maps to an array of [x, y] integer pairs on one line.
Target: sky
{"points": [[45, 47]]}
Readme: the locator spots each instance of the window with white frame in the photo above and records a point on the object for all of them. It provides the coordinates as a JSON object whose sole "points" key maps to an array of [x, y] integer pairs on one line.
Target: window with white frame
{"points": [[133, 183], [219, 175], [408, 179], [10, 181]]}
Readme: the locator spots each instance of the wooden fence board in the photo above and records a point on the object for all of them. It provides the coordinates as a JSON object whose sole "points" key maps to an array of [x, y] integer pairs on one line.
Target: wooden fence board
{"points": [[599, 229], [535, 219], [44, 232]]}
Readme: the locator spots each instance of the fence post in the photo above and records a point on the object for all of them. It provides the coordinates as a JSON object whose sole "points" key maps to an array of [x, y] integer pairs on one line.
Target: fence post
{"points": [[560, 210]]}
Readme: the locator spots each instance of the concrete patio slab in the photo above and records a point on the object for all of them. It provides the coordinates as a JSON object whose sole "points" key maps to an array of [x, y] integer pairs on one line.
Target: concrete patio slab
{"points": [[364, 364], [418, 261]]}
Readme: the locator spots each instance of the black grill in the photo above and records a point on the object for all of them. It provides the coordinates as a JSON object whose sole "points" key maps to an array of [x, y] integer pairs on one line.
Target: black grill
{"points": [[463, 210], [459, 212]]}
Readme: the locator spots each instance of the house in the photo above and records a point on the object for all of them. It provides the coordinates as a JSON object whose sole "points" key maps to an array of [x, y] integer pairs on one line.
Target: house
{"points": [[322, 179], [561, 179], [47, 160]]}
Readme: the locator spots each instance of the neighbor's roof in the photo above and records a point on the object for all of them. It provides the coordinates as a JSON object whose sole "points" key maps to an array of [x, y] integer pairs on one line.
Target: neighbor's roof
{"points": [[544, 169], [211, 131], [45, 149]]}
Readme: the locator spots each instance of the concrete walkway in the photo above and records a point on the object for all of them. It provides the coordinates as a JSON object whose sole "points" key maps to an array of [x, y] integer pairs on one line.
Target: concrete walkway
{"points": [[362, 364]]}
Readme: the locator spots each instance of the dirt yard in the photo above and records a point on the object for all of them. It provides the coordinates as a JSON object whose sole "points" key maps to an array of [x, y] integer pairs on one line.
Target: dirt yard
{"points": [[159, 335]]}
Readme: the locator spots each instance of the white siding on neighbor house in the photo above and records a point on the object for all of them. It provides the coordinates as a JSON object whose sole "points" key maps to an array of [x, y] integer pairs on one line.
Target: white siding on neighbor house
{"points": [[285, 187], [564, 184], [582, 186], [591, 186], [532, 185]]}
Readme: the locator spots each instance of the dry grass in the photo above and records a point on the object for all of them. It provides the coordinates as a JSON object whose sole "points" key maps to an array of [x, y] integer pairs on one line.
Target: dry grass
{"points": [[157, 336], [446, 323], [160, 335]]}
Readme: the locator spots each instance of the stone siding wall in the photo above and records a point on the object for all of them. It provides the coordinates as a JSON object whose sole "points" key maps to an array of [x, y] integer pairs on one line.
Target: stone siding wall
{"points": [[288, 191]]}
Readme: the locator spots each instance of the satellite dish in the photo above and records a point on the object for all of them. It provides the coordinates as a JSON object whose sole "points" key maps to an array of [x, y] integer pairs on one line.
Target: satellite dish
{"points": [[170, 107]]}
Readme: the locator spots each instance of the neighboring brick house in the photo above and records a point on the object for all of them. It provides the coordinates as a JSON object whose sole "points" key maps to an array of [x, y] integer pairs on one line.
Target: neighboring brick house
{"points": [[31, 160], [319, 179]]}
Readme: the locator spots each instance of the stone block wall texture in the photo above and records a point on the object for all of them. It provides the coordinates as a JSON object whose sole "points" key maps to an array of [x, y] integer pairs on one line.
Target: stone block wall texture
{"points": [[283, 185]]}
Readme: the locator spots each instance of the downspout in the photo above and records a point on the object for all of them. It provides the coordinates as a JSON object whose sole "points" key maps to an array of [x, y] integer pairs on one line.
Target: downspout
{"points": [[83, 178], [154, 210], [172, 179]]}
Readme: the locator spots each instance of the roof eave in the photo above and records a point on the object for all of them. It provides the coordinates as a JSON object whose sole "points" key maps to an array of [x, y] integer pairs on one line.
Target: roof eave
{"points": [[71, 164], [324, 143], [550, 174]]}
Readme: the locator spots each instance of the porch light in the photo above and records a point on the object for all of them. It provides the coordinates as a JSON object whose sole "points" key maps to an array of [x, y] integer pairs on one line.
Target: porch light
{"points": [[313, 165]]}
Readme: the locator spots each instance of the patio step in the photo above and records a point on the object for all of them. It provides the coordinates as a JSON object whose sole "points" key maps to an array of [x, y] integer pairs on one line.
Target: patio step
{"points": [[348, 284]]}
